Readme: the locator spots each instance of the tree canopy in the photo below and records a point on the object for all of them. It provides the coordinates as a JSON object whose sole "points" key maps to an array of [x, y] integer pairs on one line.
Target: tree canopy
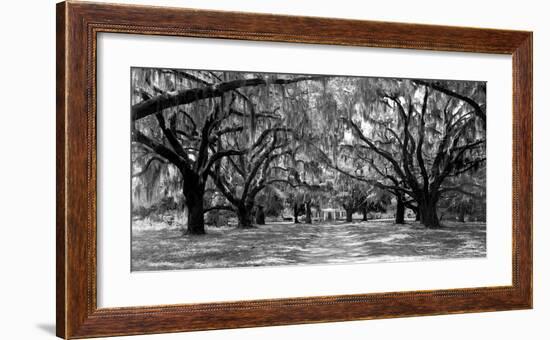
{"points": [[241, 136]]}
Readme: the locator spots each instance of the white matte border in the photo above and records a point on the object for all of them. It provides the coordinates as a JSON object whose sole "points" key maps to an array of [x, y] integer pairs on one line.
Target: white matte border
{"points": [[118, 287]]}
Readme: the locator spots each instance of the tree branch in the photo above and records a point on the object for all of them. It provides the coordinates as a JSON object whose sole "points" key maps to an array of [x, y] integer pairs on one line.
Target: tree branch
{"points": [[176, 146], [220, 184], [219, 207], [373, 147], [419, 157], [171, 99], [437, 86], [160, 149], [230, 129], [219, 155], [145, 168]]}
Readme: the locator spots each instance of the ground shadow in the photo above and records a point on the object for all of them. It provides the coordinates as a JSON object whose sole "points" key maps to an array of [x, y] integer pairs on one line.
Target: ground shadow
{"points": [[47, 327], [276, 244]]}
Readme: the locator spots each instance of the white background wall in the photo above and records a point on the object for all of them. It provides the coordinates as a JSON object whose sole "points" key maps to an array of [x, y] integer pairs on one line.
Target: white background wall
{"points": [[27, 168]]}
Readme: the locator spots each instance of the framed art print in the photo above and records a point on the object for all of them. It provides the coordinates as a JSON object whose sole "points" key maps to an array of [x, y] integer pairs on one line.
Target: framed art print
{"points": [[222, 170]]}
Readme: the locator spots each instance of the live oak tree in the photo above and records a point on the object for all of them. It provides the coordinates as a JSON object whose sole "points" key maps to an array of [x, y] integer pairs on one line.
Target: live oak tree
{"points": [[409, 137], [305, 186], [350, 195], [275, 157], [426, 136], [334, 146], [186, 118], [238, 134], [242, 177], [357, 196], [360, 166], [271, 144]]}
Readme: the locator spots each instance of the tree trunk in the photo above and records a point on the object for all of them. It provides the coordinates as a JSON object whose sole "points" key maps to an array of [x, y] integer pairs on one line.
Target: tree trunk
{"points": [[244, 215], [365, 213], [296, 209], [461, 216], [400, 211], [428, 214], [308, 213], [415, 211], [349, 215], [260, 215], [193, 190]]}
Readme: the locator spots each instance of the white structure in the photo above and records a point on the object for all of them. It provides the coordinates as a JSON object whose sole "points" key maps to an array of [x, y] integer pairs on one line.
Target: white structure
{"points": [[329, 214]]}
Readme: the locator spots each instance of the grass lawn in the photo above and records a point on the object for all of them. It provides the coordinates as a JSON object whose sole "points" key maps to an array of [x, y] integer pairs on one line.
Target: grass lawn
{"points": [[292, 244]]}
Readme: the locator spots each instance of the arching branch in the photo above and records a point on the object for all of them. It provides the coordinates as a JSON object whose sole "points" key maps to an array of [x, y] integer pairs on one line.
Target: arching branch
{"points": [[160, 149], [171, 99], [145, 168], [437, 86]]}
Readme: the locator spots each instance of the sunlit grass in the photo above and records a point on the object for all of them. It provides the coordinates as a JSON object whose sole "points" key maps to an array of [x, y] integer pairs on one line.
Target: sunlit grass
{"points": [[292, 244]]}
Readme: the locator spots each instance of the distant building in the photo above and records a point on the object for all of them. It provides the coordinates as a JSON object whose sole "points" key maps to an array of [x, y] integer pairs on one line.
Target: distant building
{"points": [[329, 214]]}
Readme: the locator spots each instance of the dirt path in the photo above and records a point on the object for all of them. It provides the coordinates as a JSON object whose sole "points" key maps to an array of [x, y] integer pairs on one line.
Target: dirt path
{"points": [[282, 244]]}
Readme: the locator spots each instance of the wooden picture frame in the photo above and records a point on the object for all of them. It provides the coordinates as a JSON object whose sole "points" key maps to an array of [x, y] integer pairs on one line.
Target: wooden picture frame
{"points": [[78, 24]]}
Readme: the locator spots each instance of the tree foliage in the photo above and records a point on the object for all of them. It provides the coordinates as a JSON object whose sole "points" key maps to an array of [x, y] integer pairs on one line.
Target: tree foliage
{"points": [[244, 142]]}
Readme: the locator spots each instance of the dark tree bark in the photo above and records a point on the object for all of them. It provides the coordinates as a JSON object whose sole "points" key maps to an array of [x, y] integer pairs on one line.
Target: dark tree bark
{"points": [[260, 215], [296, 212], [193, 190], [166, 100], [400, 211], [244, 215], [428, 213], [365, 213], [349, 215], [308, 212], [414, 209]]}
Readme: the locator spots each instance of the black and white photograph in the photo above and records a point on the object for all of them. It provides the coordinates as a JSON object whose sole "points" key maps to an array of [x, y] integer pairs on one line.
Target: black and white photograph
{"points": [[240, 169], [276, 169]]}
